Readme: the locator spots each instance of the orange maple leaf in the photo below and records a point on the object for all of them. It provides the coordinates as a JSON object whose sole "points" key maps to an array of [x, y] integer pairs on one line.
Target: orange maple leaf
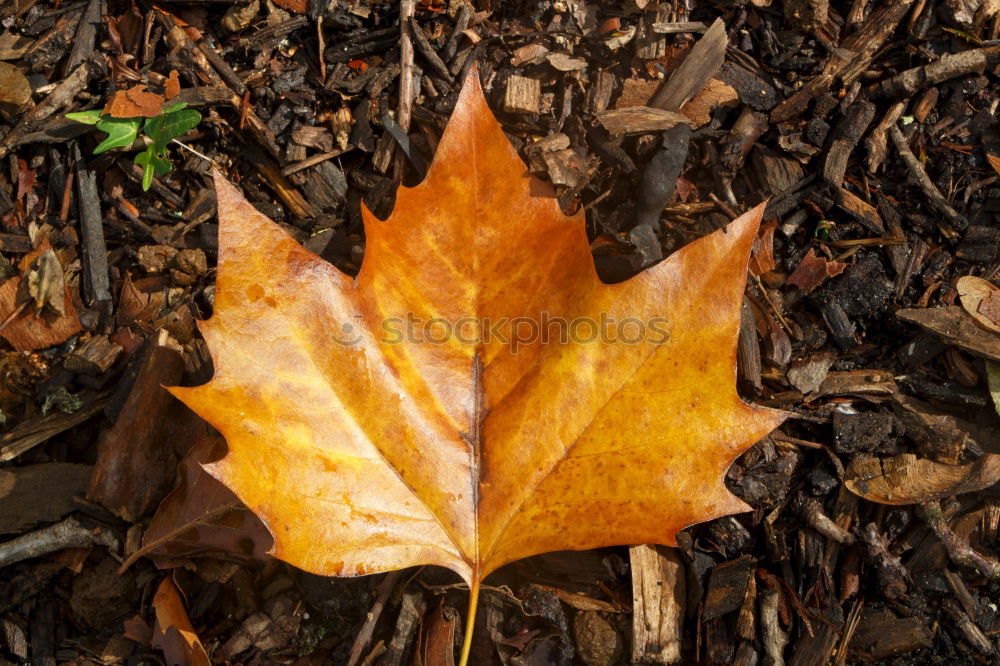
{"points": [[366, 445]]}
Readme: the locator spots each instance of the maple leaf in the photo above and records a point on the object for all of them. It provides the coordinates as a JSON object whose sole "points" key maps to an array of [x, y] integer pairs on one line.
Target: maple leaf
{"points": [[365, 450]]}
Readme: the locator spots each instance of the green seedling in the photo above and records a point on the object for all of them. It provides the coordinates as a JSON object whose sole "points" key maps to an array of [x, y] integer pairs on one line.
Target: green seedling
{"points": [[173, 122]]}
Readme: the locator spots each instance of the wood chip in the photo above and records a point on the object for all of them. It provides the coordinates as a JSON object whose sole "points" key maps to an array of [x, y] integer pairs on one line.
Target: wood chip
{"points": [[522, 95], [639, 120]]}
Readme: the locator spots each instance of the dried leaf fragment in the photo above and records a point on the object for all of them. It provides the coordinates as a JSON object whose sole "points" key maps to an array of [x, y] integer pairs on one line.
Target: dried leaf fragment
{"points": [[813, 271], [981, 299], [907, 479], [135, 102]]}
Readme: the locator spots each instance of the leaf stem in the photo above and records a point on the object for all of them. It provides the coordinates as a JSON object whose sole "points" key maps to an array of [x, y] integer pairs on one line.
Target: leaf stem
{"points": [[470, 622], [187, 147]]}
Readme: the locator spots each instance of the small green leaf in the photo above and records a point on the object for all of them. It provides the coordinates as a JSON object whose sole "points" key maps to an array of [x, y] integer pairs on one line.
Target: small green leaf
{"points": [[169, 126], [152, 165], [121, 133], [174, 107], [89, 117]]}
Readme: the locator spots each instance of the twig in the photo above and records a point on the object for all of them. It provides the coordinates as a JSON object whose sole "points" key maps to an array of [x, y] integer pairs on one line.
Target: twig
{"points": [[312, 161], [384, 589], [959, 550], [67, 534], [406, 11], [192, 150], [948, 67], [919, 175], [428, 52], [812, 513]]}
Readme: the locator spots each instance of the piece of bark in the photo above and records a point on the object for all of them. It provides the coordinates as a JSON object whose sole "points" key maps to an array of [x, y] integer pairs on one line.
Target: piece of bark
{"points": [[639, 120], [66, 534], [29, 434], [96, 282], [808, 14], [135, 458], [773, 636], [859, 209], [93, 357], [980, 244], [881, 635], [846, 136], [411, 612], [600, 91], [86, 34], [727, 587], [919, 175], [701, 64], [522, 94], [749, 126], [658, 593], [955, 327], [39, 493]]}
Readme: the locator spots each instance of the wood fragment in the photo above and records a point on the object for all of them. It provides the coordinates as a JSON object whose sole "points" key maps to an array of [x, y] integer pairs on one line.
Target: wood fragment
{"points": [[522, 95], [846, 136], [702, 63], [97, 282], [658, 592]]}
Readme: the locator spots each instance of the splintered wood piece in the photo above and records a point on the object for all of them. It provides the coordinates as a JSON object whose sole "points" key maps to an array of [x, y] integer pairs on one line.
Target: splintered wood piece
{"points": [[658, 602], [639, 120]]}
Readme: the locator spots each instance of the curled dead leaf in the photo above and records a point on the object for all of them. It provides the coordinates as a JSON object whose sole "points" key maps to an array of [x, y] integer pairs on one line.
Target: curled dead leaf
{"points": [[172, 631], [907, 479], [981, 300]]}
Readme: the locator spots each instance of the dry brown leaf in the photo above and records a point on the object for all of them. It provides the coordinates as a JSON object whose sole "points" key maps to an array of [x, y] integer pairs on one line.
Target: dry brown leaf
{"points": [[135, 102], [25, 327], [172, 631], [202, 516], [981, 300], [813, 271], [907, 479], [367, 451]]}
